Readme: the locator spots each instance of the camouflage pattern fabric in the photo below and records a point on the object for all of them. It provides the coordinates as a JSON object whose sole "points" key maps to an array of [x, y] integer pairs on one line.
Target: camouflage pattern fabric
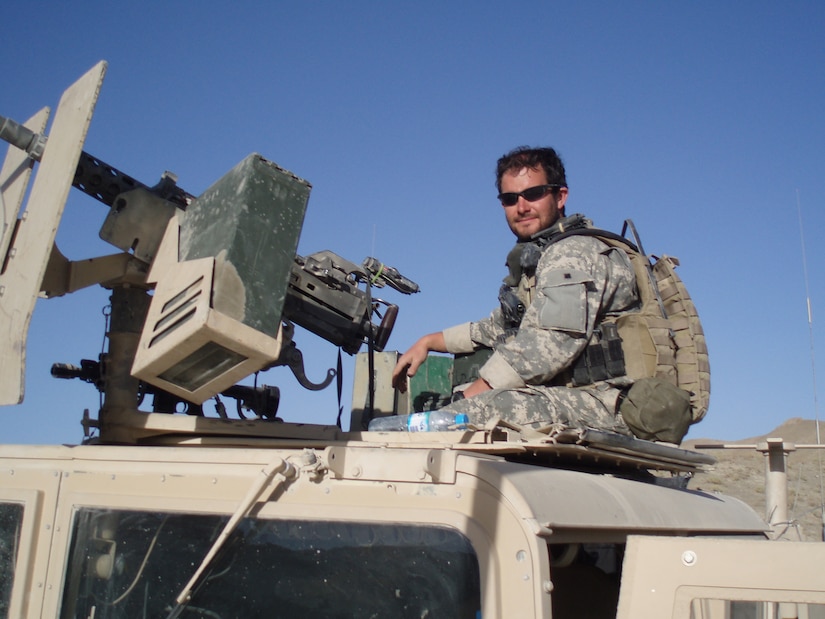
{"points": [[543, 408], [577, 282]]}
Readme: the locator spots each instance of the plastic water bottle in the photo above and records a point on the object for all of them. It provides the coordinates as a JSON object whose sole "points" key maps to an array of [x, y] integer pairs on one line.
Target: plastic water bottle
{"points": [[433, 421]]}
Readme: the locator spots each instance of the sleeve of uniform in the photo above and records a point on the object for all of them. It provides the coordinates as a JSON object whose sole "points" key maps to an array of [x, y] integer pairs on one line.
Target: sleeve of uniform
{"points": [[471, 336], [573, 282], [457, 339]]}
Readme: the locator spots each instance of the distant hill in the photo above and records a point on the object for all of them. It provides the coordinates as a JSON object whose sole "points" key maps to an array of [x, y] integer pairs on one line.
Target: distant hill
{"points": [[741, 473]]}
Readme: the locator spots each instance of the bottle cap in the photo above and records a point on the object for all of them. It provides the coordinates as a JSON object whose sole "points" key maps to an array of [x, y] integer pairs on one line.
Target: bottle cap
{"points": [[462, 419]]}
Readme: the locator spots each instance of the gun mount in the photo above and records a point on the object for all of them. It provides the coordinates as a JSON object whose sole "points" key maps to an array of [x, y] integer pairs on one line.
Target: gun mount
{"points": [[227, 282]]}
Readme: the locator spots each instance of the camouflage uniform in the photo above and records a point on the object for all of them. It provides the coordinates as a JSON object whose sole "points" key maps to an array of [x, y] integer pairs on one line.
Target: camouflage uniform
{"points": [[575, 284]]}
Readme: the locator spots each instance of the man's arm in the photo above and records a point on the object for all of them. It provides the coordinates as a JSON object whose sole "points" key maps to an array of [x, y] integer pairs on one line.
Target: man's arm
{"points": [[409, 362]]}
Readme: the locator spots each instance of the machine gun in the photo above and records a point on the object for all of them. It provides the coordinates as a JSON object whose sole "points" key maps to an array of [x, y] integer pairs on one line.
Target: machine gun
{"points": [[228, 282], [323, 295]]}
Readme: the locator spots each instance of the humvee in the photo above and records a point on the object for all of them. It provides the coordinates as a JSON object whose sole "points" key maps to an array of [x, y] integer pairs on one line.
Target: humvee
{"points": [[172, 511]]}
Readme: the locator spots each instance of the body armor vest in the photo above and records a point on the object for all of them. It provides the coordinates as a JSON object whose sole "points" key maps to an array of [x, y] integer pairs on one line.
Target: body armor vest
{"points": [[664, 339]]}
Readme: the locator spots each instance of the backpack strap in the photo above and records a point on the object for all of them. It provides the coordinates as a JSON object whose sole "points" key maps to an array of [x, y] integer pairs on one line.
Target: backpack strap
{"points": [[665, 336]]}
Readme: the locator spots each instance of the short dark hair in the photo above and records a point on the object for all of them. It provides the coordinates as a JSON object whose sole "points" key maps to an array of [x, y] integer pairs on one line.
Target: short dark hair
{"points": [[536, 158]]}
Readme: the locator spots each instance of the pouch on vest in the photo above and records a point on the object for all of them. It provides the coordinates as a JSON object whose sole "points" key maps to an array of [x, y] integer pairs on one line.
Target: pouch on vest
{"points": [[664, 338], [656, 410]]}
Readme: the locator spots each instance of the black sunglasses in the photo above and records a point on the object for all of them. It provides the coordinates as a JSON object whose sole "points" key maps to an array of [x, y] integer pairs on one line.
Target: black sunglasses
{"points": [[531, 194]]}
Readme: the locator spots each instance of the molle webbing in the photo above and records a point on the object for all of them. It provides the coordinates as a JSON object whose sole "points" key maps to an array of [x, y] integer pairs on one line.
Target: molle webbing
{"points": [[602, 359], [692, 361], [664, 339]]}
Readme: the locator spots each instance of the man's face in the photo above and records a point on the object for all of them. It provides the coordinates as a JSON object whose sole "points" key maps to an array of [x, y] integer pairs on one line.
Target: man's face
{"points": [[526, 218]]}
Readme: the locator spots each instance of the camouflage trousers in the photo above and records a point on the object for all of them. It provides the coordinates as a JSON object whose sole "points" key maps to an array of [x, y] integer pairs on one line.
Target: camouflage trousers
{"points": [[543, 407]]}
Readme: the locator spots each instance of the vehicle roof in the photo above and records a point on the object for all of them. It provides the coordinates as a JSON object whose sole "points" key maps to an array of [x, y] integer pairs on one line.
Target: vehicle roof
{"points": [[563, 501], [557, 502]]}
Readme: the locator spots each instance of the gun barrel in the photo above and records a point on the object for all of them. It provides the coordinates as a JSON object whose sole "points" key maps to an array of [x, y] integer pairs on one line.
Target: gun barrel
{"points": [[93, 177], [22, 137], [101, 181]]}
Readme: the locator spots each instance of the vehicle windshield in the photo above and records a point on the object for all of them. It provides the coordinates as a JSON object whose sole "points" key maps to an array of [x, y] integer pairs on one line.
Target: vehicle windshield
{"points": [[11, 515], [134, 564]]}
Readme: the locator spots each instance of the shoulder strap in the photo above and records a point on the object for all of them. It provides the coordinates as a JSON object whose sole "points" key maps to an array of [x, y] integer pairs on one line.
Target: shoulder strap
{"points": [[668, 314], [640, 261], [597, 232]]}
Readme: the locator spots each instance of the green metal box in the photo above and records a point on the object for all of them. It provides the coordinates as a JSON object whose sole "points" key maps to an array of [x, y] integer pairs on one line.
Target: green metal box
{"points": [[250, 222]]}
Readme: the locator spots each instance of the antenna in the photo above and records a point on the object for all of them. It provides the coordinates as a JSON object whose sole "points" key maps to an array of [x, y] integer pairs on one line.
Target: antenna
{"points": [[813, 359]]}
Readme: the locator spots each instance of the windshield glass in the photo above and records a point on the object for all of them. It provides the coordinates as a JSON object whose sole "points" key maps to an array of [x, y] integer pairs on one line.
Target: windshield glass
{"points": [[134, 564], [11, 515]]}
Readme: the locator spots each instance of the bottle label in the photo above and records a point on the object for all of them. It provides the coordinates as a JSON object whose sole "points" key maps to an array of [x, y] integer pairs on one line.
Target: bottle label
{"points": [[418, 422]]}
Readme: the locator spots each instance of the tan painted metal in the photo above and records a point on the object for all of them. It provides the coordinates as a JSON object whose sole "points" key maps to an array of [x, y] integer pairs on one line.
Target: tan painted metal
{"points": [[510, 512], [35, 485], [28, 254], [668, 577], [513, 560], [170, 337]]}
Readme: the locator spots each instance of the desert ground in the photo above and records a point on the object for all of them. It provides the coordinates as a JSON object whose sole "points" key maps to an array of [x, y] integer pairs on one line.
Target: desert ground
{"points": [[740, 472]]}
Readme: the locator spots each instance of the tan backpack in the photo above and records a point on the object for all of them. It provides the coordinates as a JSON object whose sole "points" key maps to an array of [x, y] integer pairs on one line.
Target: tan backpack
{"points": [[664, 340]]}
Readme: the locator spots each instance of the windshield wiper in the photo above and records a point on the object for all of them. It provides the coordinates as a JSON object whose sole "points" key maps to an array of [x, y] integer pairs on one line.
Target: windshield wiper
{"points": [[277, 466]]}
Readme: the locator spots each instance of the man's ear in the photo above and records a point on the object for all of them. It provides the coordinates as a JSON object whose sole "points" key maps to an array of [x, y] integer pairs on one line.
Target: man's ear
{"points": [[561, 199]]}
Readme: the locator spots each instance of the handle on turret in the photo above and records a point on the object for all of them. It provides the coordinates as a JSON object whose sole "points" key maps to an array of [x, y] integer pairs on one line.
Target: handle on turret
{"points": [[385, 329]]}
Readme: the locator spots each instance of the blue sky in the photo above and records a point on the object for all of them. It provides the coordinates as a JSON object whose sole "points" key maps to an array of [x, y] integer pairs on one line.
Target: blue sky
{"points": [[701, 121]]}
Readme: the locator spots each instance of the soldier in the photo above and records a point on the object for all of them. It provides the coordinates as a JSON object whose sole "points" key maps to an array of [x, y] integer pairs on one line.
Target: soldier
{"points": [[553, 300]]}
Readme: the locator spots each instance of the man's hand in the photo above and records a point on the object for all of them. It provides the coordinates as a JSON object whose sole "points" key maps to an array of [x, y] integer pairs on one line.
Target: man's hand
{"points": [[478, 386], [410, 361]]}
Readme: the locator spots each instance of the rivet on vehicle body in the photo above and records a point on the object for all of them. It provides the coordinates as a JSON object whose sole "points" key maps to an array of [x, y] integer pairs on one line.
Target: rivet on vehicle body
{"points": [[689, 558]]}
